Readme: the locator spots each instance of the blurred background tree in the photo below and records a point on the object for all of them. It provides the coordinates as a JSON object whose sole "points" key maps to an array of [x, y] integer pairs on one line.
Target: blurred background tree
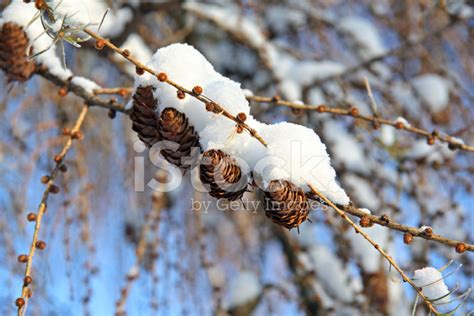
{"points": [[111, 249]]}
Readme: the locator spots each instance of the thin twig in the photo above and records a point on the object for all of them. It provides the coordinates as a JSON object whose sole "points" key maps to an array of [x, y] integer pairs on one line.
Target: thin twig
{"points": [[43, 205], [454, 142], [201, 97], [90, 99], [359, 230], [122, 91], [414, 231], [373, 103]]}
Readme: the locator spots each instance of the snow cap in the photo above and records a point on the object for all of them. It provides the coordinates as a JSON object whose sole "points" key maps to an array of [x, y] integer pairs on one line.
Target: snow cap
{"points": [[294, 152]]}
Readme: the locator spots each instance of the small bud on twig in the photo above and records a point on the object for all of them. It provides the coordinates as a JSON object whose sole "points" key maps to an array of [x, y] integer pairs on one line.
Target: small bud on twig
{"points": [[63, 168], [27, 280], [354, 111], [31, 217], [66, 131], [62, 92], [241, 117], [197, 90], [211, 107], [20, 302], [76, 135], [122, 92], [407, 238], [399, 125], [321, 108], [99, 44], [428, 231], [41, 245], [365, 221], [22, 258], [460, 247], [39, 4], [162, 77], [54, 189], [139, 71], [180, 94]]}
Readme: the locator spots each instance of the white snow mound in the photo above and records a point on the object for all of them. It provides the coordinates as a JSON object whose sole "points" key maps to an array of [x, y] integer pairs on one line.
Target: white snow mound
{"points": [[294, 152]]}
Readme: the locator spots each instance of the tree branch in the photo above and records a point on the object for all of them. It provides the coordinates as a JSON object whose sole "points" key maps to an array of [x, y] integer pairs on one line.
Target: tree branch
{"points": [[414, 231], [90, 99], [50, 188], [201, 97], [359, 230], [354, 112]]}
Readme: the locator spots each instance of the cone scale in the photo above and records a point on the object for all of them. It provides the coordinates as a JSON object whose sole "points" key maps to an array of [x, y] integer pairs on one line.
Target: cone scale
{"points": [[175, 128], [222, 175], [286, 204]]}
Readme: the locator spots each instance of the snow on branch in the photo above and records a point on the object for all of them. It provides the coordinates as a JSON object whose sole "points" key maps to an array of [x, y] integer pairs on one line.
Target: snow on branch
{"points": [[285, 141], [43, 48], [431, 281], [179, 77]]}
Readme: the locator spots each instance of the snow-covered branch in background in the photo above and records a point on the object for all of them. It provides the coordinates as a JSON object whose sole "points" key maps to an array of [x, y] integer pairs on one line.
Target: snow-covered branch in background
{"points": [[47, 63], [179, 97]]}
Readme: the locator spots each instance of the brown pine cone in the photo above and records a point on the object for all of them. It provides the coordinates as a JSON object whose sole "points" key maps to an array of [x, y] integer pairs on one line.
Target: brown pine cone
{"points": [[144, 116], [221, 173], [174, 127], [171, 125], [286, 204], [13, 55]]}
